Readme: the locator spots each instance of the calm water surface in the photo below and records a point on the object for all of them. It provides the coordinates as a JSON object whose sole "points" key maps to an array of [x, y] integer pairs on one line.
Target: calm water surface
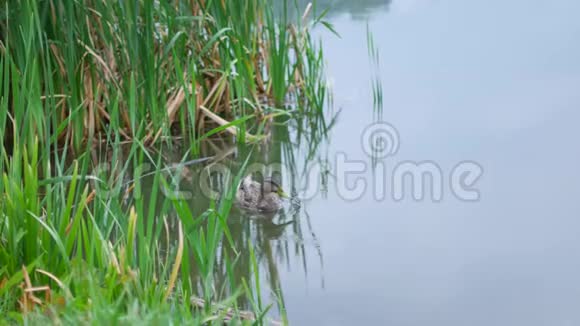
{"points": [[496, 82]]}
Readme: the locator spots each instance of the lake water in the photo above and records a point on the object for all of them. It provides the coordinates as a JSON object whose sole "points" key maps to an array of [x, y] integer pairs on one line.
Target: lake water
{"points": [[490, 87], [493, 82]]}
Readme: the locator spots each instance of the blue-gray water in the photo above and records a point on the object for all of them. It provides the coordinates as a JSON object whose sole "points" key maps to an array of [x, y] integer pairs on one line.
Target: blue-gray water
{"points": [[495, 82]]}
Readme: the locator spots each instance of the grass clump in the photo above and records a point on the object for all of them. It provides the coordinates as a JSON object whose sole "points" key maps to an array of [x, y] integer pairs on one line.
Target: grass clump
{"points": [[75, 246], [141, 68]]}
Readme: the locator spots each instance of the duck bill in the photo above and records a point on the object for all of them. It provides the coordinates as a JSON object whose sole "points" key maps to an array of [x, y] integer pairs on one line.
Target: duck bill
{"points": [[282, 194]]}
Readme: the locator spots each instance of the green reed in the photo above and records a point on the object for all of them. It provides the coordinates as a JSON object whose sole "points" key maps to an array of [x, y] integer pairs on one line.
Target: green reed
{"points": [[78, 244]]}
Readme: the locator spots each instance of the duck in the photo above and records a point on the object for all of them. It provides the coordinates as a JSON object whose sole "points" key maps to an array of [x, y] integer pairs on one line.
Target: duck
{"points": [[263, 197]]}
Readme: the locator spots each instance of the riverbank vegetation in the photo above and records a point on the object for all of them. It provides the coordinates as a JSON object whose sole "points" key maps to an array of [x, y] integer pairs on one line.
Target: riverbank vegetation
{"points": [[76, 77]]}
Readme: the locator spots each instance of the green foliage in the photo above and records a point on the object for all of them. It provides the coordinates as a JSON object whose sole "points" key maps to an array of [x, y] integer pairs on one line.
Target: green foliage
{"points": [[75, 245]]}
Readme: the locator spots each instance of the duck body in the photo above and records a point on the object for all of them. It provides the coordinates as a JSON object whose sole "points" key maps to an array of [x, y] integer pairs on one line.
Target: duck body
{"points": [[254, 196]]}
